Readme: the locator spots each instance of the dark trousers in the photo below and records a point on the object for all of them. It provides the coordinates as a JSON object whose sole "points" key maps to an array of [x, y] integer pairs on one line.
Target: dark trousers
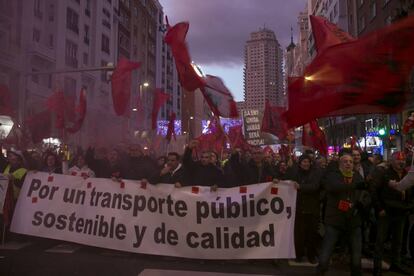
{"points": [[393, 222], [330, 239], [306, 235]]}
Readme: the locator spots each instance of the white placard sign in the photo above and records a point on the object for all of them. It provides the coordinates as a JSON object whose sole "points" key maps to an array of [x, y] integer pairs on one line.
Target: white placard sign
{"points": [[254, 221]]}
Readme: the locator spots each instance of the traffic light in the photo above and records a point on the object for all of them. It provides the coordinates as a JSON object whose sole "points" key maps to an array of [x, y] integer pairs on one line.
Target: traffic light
{"points": [[382, 132]]}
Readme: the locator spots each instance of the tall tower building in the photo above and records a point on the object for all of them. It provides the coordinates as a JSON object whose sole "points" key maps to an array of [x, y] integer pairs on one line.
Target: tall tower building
{"points": [[263, 76]]}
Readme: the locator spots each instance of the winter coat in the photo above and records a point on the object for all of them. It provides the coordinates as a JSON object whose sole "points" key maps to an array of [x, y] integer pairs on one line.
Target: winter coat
{"points": [[308, 196], [339, 195], [197, 174]]}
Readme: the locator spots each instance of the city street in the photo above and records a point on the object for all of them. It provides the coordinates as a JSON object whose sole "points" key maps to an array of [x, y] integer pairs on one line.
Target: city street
{"points": [[49, 257]]}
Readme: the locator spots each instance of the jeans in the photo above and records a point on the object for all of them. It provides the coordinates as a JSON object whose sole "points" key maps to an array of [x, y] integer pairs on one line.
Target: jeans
{"points": [[394, 222], [330, 239]]}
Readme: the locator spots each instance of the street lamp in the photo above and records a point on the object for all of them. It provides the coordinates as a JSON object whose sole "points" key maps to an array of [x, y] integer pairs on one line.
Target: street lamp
{"points": [[141, 97]]}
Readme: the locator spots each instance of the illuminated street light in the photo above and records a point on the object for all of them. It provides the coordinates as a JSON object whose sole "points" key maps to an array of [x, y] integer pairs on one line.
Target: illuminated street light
{"points": [[145, 84], [134, 109], [308, 78]]}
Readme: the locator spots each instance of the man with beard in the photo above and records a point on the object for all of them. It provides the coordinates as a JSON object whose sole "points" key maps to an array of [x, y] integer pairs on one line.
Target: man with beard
{"points": [[342, 218]]}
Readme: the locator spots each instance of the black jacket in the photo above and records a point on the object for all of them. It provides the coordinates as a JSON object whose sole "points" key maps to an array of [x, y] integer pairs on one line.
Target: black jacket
{"points": [[143, 167], [387, 198], [170, 178], [308, 196], [233, 172], [255, 174], [197, 174], [340, 192]]}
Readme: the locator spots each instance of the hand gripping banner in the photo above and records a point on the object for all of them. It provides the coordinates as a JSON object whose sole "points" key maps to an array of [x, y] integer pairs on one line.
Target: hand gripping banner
{"points": [[248, 222]]}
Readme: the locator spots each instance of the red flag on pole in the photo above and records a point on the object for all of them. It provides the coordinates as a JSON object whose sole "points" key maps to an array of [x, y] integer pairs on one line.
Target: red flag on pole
{"points": [[39, 125], [272, 121], [160, 98], [215, 140], [313, 136], [219, 98], [175, 37], [236, 138], [368, 75], [56, 104], [171, 127], [121, 85], [81, 113], [327, 34]]}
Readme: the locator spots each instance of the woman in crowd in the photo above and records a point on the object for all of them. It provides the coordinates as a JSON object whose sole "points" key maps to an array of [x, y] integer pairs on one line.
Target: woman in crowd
{"points": [[307, 209], [51, 163]]}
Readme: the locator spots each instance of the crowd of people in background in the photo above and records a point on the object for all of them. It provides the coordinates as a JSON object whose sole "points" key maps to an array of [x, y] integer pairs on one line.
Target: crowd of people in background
{"points": [[347, 203]]}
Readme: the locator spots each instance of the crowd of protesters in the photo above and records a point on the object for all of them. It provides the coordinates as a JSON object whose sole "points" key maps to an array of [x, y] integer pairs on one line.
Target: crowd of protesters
{"points": [[348, 203]]}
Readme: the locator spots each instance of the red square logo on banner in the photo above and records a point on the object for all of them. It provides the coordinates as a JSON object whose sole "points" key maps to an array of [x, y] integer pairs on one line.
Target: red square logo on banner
{"points": [[243, 190], [74, 173], [143, 185], [89, 185], [122, 184], [50, 178], [84, 174], [34, 199], [274, 190], [195, 190]]}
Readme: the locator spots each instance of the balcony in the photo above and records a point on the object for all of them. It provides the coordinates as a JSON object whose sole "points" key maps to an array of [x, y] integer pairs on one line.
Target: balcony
{"points": [[43, 52]]}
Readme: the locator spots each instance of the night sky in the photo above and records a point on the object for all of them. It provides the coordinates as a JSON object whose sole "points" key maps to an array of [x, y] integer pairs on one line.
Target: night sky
{"points": [[219, 29]]}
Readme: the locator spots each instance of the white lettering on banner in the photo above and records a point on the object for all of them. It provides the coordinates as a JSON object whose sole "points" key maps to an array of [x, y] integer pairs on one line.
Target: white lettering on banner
{"points": [[254, 221]]}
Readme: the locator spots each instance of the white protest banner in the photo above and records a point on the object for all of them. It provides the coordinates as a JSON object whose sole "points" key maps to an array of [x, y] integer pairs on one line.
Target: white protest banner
{"points": [[254, 221], [4, 183]]}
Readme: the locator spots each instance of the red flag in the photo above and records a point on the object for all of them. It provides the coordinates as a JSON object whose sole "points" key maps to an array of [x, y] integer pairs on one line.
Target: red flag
{"points": [[272, 121], [408, 124], [285, 152], [215, 140], [56, 104], [175, 37], [39, 125], [219, 98], [81, 113], [5, 101], [160, 98], [236, 138], [121, 85], [327, 34], [313, 136], [171, 127], [268, 150], [354, 143], [368, 75]]}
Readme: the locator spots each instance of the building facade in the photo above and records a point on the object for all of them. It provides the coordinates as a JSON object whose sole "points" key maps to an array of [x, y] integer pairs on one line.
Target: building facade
{"points": [[263, 74], [47, 43], [62, 36]]}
